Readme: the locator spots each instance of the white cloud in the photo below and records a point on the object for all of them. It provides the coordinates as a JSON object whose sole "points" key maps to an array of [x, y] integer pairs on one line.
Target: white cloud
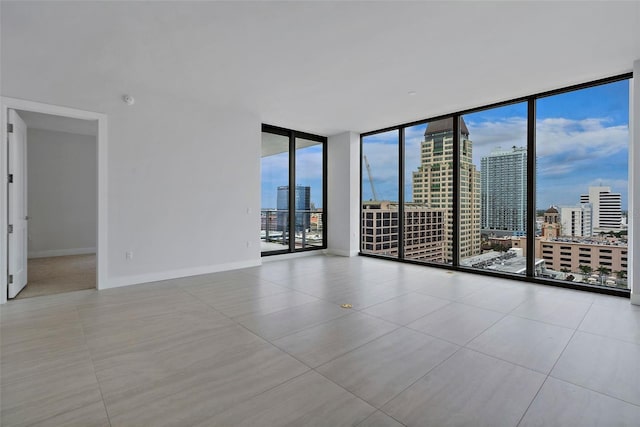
{"points": [[556, 169], [557, 140], [566, 148], [580, 139], [617, 186]]}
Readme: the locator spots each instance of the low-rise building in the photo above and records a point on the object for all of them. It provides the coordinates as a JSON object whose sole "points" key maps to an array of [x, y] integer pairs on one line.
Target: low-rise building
{"points": [[424, 230], [569, 254]]}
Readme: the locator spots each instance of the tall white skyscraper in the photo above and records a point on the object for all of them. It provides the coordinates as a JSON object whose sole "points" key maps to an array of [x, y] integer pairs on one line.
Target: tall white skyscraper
{"points": [[607, 208], [576, 220], [503, 191]]}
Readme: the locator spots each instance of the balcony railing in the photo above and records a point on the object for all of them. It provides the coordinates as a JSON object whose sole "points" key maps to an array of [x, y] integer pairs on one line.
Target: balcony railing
{"points": [[275, 233]]}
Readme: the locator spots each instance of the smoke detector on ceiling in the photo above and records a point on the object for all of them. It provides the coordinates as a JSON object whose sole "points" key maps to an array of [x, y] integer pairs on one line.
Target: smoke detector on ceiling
{"points": [[128, 99]]}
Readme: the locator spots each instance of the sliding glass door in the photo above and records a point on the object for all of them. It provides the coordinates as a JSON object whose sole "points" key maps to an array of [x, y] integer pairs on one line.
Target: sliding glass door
{"points": [[293, 214]]}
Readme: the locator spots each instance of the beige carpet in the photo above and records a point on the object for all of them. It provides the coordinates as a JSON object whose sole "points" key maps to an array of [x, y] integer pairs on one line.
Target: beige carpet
{"points": [[47, 276]]}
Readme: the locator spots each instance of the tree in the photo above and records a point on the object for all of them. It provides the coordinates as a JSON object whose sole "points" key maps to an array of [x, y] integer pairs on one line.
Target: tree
{"points": [[585, 269], [603, 272], [621, 274], [499, 247]]}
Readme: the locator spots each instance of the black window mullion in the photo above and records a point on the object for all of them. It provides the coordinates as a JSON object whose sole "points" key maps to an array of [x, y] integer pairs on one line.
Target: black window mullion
{"points": [[325, 156], [531, 187], [292, 192], [455, 235], [361, 221], [401, 193]]}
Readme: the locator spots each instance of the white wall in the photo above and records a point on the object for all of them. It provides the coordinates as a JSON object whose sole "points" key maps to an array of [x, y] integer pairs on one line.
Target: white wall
{"points": [[184, 189], [183, 182], [343, 189], [62, 197]]}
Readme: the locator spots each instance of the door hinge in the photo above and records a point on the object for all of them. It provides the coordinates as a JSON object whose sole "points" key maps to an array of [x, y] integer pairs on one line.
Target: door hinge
{"points": [[10, 128], [10, 178], [10, 228], [10, 278]]}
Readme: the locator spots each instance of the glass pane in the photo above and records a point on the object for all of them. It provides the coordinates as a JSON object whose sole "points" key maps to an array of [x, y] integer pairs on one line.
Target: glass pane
{"points": [[582, 151], [274, 213], [493, 204], [428, 193], [309, 194], [380, 194]]}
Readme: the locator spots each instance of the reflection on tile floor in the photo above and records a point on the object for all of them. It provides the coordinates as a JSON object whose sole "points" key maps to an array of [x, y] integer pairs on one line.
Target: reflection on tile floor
{"points": [[271, 346]]}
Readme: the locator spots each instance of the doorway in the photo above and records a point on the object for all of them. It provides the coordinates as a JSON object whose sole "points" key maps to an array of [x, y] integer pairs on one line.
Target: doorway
{"points": [[61, 204], [57, 186]]}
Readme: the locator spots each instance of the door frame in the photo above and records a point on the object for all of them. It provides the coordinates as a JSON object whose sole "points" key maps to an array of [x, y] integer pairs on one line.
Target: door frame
{"points": [[6, 104]]}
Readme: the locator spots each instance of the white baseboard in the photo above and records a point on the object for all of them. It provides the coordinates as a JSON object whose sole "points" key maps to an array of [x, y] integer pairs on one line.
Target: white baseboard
{"points": [[635, 299], [116, 282], [283, 257], [61, 252], [341, 252]]}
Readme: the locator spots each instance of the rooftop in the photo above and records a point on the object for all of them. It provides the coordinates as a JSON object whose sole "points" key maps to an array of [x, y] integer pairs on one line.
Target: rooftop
{"points": [[445, 125]]}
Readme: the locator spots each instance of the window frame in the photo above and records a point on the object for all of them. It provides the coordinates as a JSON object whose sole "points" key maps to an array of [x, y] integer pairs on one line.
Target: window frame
{"points": [[529, 275], [292, 135]]}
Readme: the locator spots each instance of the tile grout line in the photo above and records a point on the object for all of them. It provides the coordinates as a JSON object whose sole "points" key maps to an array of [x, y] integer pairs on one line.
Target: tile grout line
{"points": [[378, 410], [554, 365], [264, 338], [419, 379], [341, 354], [595, 391], [252, 333], [362, 311], [93, 365]]}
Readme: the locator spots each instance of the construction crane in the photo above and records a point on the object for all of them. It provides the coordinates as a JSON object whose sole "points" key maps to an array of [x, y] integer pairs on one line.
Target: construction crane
{"points": [[373, 189]]}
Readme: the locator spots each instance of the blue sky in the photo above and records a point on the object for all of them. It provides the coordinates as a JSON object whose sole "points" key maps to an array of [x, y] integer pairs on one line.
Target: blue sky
{"points": [[582, 140], [275, 173]]}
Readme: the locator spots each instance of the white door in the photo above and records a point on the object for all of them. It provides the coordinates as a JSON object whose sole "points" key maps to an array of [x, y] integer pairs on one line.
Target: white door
{"points": [[17, 205]]}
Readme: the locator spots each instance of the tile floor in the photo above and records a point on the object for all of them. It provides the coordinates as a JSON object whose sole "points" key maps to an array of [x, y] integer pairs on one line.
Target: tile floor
{"points": [[270, 346]]}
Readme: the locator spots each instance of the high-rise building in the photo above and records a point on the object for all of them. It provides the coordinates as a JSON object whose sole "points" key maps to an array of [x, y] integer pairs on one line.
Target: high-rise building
{"points": [[607, 208], [576, 220], [423, 230], [504, 192], [433, 184], [302, 207]]}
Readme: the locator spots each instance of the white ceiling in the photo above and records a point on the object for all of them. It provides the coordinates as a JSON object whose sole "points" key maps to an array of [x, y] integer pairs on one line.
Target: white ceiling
{"points": [[321, 67]]}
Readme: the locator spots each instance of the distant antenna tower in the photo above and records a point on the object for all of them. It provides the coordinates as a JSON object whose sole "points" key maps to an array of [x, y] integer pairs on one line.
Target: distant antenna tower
{"points": [[373, 189]]}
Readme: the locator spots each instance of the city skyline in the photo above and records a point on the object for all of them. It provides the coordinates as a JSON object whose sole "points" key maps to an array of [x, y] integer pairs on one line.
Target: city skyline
{"points": [[593, 151]]}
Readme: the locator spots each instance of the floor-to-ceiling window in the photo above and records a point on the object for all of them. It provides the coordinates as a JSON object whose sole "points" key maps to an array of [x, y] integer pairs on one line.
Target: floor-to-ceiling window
{"points": [[309, 196], [582, 152], [493, 188], [380, 185], [539, 190], [293, 213], [428, 197]]}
